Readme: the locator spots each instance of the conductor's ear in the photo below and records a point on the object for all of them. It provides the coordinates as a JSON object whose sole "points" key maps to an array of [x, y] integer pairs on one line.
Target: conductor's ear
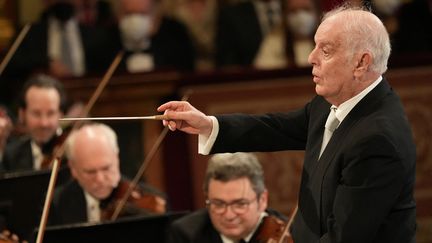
{"points": [[364, 61]]}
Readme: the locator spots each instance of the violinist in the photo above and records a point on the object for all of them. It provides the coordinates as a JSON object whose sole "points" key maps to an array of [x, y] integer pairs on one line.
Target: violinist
{"points": [[40, 107], [236, 203], [93, 158], [5, 130]]}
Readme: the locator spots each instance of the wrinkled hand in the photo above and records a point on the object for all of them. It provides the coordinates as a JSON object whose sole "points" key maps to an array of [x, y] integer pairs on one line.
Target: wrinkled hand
{"points": [[184, 117]]}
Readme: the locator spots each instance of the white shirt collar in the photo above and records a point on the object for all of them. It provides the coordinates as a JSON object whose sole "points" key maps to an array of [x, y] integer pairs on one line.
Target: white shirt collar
{"points": [[345, 108], [248, 237], [93, 210], [37, 155]]}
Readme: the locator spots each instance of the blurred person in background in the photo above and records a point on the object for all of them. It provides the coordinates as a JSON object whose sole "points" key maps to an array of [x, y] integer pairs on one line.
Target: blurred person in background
{"points": [[266, 33], [151, 39], [302, 18], [58, 45], [200, 18], [241, 29]]}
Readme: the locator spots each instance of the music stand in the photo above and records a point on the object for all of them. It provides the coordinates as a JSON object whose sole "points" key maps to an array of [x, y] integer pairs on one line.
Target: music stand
{"points": [[134, 229], [21, 199]]}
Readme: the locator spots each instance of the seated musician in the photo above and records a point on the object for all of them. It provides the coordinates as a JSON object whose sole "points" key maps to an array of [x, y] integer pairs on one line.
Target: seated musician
{"points": [[236, 203], [5, 129], [93, 158], [40, 107]]}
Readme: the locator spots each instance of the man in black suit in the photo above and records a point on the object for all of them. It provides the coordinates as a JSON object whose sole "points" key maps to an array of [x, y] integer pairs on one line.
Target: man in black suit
{"points": [[236, 203], [41, 106], [358, 187], [93, 157], [58, 45], [151, 40], [241, 28]]}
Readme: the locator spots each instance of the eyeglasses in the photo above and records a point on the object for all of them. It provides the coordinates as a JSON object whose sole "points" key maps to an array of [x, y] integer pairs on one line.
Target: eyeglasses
{"points": [[240, 206]]}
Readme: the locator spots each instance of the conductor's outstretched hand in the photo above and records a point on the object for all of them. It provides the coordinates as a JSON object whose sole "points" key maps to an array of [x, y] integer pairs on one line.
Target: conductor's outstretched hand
{"points": [[184, 117]]}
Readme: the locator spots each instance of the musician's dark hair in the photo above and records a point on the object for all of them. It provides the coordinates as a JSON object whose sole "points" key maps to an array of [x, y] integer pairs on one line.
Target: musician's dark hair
{"points": [[43, 81]]}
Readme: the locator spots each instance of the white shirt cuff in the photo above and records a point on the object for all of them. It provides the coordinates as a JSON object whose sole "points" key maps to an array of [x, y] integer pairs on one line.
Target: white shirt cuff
{"points": [[205, 143]]}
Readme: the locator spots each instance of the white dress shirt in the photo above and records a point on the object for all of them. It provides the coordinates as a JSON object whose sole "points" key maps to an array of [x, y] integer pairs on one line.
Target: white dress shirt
{"points": [[37, 155], [93, 209], [248, 237], [73, 33]]}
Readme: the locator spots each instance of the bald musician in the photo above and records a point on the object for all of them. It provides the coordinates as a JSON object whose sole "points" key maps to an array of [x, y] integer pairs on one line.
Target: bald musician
{"points": [[93, 158]]}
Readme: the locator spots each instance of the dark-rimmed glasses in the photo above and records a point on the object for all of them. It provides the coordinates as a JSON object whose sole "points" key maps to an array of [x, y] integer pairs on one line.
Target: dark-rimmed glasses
{"points": [[240, 206]]}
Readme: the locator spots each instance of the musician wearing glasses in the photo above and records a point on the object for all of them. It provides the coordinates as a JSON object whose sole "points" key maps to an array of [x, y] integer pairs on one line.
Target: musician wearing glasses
{"points": [[236, 203]]}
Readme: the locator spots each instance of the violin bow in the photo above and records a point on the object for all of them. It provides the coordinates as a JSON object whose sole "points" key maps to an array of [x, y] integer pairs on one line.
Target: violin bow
{"points": [[144, 166], [60, 150], [290, 221], [14, 47]]}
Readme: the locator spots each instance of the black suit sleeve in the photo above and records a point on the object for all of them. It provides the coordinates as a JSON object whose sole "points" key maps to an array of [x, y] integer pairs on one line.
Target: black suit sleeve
{"points": [[262, 133]]}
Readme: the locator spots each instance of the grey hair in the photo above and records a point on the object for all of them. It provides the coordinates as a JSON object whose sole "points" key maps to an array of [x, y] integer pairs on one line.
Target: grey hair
{"points": [[99, 128], [230, 166], [364, 32]]}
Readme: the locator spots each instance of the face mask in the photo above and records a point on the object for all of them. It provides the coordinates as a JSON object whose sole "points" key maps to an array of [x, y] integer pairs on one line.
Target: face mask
{"points": [[63, 11], [302, 22], [387, 7], [135, 29]]}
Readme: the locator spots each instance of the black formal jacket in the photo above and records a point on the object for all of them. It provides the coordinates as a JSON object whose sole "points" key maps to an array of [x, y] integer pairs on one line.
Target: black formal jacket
{"points": [[69, 205], [17, 156], [361, 189], [198, 228], [238, 35]]}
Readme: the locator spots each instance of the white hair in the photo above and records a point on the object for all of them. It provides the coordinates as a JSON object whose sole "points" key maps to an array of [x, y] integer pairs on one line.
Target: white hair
{"points": [[364, 32], [93, 128]]}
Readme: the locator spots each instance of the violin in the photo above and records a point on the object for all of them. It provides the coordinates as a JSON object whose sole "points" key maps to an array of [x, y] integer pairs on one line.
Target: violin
{"points": [[55, 142], [138, 202], [273, 230], [62, 133]]}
